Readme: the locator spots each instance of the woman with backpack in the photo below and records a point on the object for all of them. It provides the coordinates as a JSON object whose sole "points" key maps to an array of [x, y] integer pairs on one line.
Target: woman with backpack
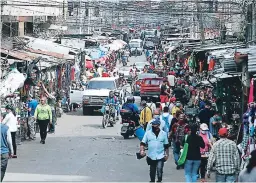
{"points": [[208, 142], [193, 158], [167, 118]]}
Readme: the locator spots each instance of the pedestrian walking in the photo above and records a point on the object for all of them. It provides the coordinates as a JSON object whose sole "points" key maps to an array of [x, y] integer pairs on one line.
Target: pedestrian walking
{"points": [[43, 115], [32, 104], [206, 113], [215, 124], [208, 141], [193, 159], [167, 118], [249, 173], [6, 148], [158, 152], [225, 156], [177, 134], [10, 120], [145, 114], [157, 117]]}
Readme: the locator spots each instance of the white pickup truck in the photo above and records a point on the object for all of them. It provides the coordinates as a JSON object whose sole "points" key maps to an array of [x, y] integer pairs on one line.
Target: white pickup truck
{"points": [[97, 90]]}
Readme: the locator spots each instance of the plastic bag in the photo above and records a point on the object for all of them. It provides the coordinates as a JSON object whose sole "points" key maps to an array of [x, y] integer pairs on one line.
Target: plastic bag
{"points": [[184, 152]]}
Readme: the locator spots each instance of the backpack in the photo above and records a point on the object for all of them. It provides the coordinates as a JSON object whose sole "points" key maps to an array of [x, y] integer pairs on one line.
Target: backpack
{"points": [[150, 108], [166, 120], [179, 134]]}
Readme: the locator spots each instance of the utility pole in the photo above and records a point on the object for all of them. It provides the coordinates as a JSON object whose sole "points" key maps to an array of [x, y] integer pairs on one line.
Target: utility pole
{"points": [[200, 19], [254, 21], [80, 16]]}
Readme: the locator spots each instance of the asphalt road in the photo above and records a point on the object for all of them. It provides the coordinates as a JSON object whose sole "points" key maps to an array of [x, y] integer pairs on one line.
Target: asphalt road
{"points": [[81, 150]]}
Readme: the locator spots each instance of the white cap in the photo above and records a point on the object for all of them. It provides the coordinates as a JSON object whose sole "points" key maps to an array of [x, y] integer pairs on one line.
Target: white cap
{"points": [[204, 126]]}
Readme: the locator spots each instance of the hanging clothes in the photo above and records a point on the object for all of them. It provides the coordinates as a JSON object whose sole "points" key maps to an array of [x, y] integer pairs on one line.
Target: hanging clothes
{"points": [[72, 74], [201, 65], [211, 64], [251, 98]]}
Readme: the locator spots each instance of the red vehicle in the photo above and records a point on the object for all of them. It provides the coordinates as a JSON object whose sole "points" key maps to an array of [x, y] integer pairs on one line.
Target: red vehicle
{"points": [[137, 84], [150, 87]]}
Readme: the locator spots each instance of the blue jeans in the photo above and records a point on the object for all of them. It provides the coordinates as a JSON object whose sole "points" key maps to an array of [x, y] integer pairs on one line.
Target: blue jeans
{"points": [[54, 119], [4, 162], [225, 178], [176, 152], [191, 168]]}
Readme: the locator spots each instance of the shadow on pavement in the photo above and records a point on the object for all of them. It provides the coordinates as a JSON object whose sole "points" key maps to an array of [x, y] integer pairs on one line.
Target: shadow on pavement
{"points": [[79, 112]]}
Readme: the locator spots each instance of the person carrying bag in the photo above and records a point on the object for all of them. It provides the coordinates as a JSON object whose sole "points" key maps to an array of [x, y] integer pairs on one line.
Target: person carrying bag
{"points": [[184, 152]]}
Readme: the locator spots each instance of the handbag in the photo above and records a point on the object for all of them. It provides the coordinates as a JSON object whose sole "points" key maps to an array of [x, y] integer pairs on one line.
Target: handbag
{"points": [[184, 152]]}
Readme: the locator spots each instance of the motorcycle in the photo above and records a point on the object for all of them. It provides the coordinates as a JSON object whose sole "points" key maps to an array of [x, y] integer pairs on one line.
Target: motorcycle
{"points": [[109, 115], [124, 61], [128, 125]]}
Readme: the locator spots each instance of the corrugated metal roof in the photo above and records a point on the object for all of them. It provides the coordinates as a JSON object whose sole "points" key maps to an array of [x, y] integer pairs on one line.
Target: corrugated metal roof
{"points": [[53, 54], [41, 44], [218, 47], [18, 54], [250, 50], [252, 63], [229, 65], [49, 53]]}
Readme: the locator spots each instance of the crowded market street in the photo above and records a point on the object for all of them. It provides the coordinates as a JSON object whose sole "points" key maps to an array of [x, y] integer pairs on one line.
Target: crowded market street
{"points": [[80, 150], [128, 91]]}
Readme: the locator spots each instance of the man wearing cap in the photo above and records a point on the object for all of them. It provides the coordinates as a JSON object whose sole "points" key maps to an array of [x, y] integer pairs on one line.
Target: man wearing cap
{"points": [[226, 157], [157, 117], [158, 151]]}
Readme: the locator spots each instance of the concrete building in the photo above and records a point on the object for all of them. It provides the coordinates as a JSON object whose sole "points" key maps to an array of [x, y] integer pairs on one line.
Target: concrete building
{"points": [[23, 17], [84, 16]]}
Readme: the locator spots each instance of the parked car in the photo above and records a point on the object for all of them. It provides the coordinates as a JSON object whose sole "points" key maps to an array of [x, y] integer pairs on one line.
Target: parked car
{"points": [[136, 85]]}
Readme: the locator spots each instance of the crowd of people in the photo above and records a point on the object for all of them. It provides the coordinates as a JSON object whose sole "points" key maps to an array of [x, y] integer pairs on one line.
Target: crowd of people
{"points": [[38, 113], [199, 144]]}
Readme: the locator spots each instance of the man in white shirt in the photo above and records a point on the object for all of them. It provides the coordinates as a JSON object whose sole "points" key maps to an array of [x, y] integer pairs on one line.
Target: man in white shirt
{"points": [[167, 118], [11, 121], [171, 80]]}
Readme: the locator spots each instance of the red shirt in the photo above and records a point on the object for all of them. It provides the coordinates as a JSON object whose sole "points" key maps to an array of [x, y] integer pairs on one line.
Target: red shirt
{"points": [[104, 74]]}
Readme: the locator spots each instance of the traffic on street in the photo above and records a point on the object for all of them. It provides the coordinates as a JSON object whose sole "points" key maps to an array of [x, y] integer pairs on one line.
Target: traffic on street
{"points": [[157, 97]]}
